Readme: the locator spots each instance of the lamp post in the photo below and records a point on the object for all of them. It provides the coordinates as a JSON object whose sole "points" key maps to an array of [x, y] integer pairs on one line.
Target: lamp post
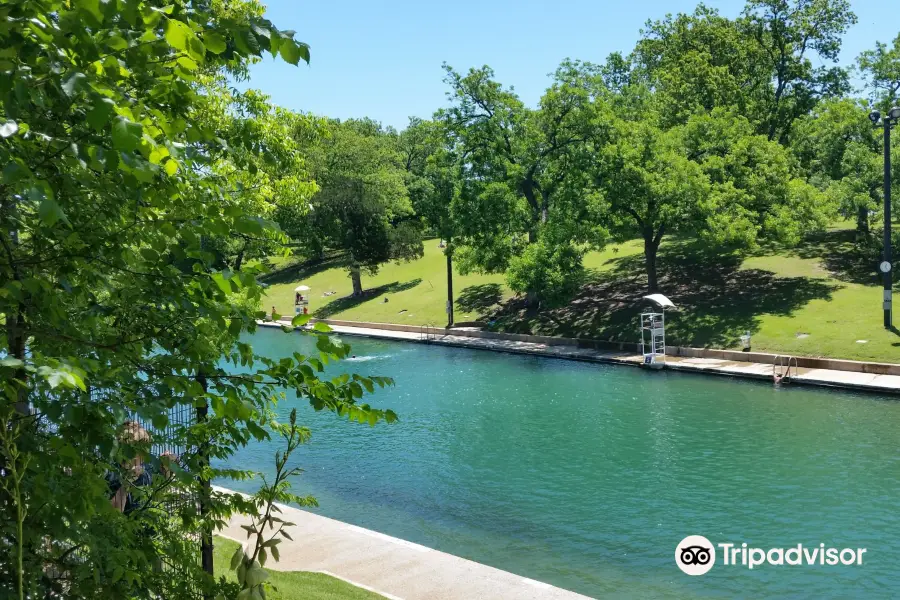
{"points": [[886, 267]]}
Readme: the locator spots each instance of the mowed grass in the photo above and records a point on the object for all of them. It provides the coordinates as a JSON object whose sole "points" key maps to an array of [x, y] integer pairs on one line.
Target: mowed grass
{"points": [[822, 298], [416, 291], [292, 585]]}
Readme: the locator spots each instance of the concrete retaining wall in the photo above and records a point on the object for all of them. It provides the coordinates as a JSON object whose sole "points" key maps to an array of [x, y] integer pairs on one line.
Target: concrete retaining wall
{"points": [[732, 355]]}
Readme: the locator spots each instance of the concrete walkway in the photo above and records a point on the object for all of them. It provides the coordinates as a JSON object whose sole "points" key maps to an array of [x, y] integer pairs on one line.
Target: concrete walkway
{"points": [[394, 568], [888, 384]]}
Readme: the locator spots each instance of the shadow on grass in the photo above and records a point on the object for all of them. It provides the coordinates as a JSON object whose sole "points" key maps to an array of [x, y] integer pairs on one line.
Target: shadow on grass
{"points": [[303, 270], [843, 257], [717, 301], [479, 298], [347, 302]]}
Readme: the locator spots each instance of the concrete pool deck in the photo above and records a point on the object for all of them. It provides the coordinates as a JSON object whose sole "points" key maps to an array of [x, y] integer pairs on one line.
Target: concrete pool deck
{"points": [[888, 384], [391, 567]]}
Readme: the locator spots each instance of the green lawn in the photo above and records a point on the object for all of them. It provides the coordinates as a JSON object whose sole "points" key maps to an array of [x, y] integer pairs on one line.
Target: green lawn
{"points": [[820, 299], [292, 585]]}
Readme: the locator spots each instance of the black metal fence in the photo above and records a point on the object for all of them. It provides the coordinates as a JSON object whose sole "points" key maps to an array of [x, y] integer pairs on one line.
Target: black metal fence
{"points": [[171, 441]]}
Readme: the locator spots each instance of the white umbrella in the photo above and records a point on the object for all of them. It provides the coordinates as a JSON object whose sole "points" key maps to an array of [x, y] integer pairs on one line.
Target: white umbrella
{"points": [[660, 300], [302, 288]]}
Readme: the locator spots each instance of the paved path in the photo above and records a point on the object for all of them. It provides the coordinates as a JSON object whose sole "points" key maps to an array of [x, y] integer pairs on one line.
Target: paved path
{"points": [[823, 377], [394, 568]]}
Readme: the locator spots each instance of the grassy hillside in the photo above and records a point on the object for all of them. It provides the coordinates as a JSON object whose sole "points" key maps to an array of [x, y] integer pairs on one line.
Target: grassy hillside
{"points": [[820, 299]]}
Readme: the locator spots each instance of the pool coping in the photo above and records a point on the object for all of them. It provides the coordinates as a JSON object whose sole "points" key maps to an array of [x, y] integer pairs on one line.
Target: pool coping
{"points": [[394, 568], [725, 363]]}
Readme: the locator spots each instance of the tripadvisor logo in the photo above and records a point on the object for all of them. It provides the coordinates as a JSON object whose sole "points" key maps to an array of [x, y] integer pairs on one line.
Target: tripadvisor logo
{"points": [[696, 555]]}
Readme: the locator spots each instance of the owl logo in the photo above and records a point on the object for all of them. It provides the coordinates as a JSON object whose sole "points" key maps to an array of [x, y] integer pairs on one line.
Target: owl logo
{"points": [[695, 555]]}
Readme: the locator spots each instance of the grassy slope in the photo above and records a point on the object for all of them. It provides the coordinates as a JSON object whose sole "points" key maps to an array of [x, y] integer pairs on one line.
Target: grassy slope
{"points": [[293, 585], [815, 300]]}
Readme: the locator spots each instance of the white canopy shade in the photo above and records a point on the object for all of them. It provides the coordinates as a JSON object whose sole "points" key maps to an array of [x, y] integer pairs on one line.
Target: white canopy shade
{"points": [[660, 300], [301, 288]]}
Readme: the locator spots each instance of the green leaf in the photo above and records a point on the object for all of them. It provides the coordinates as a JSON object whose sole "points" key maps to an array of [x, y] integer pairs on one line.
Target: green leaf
{"points": [[215, 42], [187, 63], [171, 167], [178, 34], [74, 83], [92, 7], [300, 320], [292, 51], [246, 43], [196, 48], [50, 212], [221, 282], [9, 128], [275, 553], [126, 135], [256, 575], [9, 361], [322, 327], [100, 113], [14, 171], [116, 42], [236, 557]]}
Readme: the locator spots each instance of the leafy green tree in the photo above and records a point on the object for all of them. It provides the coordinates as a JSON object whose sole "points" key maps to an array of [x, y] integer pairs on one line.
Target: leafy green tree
{"points": [[363, 206], [840, 151], [760, 65], [881, 70], [651, 187], [434, 180], [695, 63], [517, 165], [790, 33], [712, 178], [262, 168], [113, 193]]}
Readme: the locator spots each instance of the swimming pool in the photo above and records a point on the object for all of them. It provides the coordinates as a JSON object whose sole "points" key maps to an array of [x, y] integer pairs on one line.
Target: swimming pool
{"points": [[587, 476]]}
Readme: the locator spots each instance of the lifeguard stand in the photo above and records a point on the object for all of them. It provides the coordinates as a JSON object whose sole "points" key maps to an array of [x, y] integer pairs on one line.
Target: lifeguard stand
{"points": [[301, 300], [653, 332]]}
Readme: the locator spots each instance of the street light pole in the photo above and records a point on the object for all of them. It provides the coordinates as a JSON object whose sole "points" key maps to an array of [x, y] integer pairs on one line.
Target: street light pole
{"points": [[886, 268], [888, 272]]}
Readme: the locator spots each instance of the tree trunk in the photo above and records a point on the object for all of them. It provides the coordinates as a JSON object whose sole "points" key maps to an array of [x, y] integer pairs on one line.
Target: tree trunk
{"points": [[357, 280], [16, 337], [240, 259], [651, 245], [862, 220], [206, 537]]}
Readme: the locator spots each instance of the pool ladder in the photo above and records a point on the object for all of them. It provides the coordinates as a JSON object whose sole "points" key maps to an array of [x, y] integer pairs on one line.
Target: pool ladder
{"points": [[781, 368], [428, 332]]}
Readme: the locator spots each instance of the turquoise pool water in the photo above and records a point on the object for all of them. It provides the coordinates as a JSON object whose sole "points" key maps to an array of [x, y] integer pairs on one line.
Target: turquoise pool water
{"points": [[587, 476]]}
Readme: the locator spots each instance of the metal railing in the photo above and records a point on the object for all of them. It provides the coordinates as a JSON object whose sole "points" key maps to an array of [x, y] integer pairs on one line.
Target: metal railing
{"points": [[428, 332], [781, 368]]}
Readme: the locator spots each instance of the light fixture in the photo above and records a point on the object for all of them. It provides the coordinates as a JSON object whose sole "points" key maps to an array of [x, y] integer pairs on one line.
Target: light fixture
{"points": [[875, 116], [894, 113]]}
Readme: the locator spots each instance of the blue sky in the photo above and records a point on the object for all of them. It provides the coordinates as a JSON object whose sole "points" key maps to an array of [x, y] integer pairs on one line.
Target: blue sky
{"points": [[382, 59]]}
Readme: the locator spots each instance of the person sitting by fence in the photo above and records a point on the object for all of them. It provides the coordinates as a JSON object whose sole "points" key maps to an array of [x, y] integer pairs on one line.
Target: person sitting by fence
{"points": [[138, 472]]}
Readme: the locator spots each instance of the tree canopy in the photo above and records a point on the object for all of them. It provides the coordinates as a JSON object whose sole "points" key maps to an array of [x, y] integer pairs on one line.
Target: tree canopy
{"points": [[126, 178]]}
